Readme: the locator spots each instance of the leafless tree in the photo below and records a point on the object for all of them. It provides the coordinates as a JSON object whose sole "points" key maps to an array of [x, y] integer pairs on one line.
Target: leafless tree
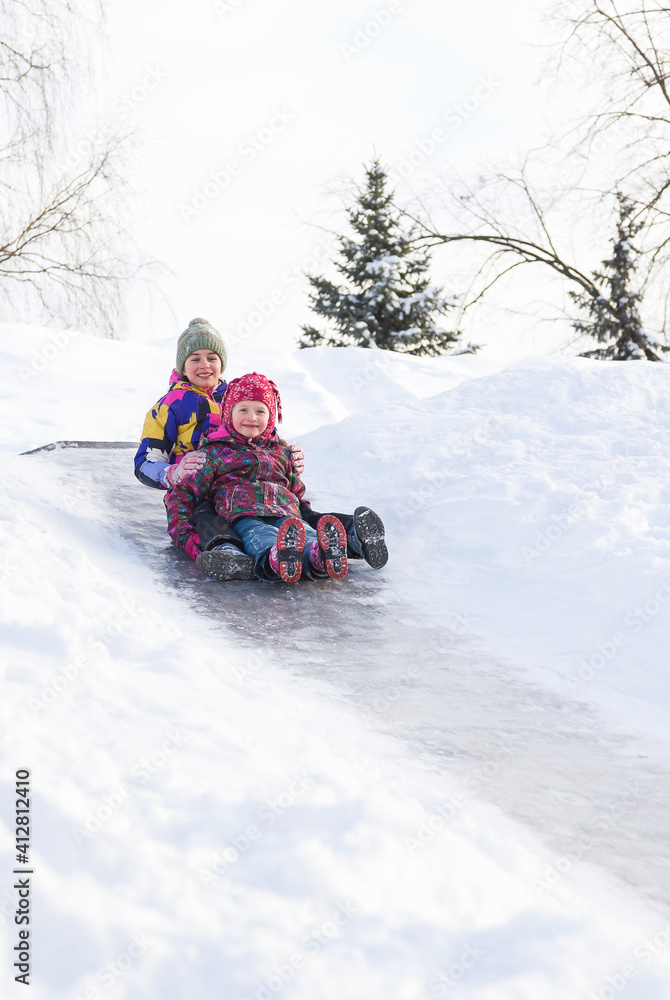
{"points": [[548, 211], [620, 50], [526, 237], [65, 201]]}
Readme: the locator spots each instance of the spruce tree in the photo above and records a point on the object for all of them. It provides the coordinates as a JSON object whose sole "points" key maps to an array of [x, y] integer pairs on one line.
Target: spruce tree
{"points": [[387, 300], [614, 318]]}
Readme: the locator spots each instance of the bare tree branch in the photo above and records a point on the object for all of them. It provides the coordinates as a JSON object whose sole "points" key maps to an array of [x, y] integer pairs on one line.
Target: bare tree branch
{"points": [[65, 219]]}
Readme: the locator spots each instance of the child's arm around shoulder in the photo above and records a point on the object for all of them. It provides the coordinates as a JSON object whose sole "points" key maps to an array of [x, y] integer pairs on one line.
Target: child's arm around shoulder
{"points": [[182, 500], [160, 435], [296, 484]]}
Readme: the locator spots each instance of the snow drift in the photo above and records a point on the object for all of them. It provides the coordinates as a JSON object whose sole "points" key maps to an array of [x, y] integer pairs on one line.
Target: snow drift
{"points": [[206, 822]]}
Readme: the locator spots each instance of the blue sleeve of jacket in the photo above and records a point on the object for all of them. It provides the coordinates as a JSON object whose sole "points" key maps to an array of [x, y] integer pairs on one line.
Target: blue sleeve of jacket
{"points": [[153, 473], [159, 436]]}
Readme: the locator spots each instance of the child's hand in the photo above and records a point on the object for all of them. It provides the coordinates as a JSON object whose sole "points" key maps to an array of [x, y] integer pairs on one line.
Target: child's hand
{"points": [[297, 459], [189, 465], [192, 547]]}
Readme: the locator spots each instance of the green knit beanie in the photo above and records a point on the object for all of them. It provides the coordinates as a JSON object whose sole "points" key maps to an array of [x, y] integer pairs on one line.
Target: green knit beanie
{"points": [[199, 334]]}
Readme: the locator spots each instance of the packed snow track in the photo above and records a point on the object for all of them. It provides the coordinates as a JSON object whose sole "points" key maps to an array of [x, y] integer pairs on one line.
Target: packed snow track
{"points": [[552, 763]]}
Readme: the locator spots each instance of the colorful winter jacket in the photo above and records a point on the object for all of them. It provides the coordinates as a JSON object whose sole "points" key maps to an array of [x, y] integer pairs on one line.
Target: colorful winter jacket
{"points": [[243, 477], [174, 426]]}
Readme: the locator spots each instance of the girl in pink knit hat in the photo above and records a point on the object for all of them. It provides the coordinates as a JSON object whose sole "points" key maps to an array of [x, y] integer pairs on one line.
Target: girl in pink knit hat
{"points": [[169, 454], [248, 475]]}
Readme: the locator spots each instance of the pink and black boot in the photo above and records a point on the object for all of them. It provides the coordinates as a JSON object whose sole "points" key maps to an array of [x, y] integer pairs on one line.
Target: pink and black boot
{"points": [[285, 556], [333, 544]]}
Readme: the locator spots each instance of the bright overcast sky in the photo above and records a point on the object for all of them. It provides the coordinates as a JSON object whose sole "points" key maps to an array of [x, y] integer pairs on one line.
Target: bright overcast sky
{"points": [[254, 109]]}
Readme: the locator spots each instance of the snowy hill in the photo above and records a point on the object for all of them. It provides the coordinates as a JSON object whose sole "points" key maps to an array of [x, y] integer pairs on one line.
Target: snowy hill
{"points": [[442, 779], [538, 498]]}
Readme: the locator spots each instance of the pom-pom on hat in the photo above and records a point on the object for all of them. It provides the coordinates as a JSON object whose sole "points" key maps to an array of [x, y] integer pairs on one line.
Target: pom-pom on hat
{"points": [[255, 387], [199, 334]]}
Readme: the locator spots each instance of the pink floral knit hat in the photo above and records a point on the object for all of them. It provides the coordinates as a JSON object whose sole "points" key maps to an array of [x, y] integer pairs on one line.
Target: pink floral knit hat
{"points": [[256, 387]]}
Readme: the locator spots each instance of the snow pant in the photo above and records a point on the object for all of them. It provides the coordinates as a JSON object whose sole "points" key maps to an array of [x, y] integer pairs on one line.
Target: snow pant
{"points": [[213, 529], [312, 518], [259, 535]]}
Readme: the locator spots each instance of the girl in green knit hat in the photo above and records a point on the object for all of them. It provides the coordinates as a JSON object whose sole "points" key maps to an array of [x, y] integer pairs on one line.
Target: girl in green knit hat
{"points": [[168, 453]]}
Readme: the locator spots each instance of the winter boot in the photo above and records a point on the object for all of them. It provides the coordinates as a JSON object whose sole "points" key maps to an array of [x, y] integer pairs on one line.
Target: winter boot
{"points": [[333, 544], [316, 557], [226, 562], [366, 537], [285, 556]]}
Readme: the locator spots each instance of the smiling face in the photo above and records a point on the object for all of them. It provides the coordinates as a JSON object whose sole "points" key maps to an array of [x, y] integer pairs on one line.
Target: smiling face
{"points": [[250, 417], [203, 368]]}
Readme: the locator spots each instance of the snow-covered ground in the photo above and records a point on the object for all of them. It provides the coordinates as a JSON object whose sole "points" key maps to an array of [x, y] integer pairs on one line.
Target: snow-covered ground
{"points": [[243, 791]]}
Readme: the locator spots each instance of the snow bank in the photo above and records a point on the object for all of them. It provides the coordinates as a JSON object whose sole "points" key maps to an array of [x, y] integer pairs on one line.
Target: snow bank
{"points": [[535, 501], [62, 384], [203, 824], [204, 827]]}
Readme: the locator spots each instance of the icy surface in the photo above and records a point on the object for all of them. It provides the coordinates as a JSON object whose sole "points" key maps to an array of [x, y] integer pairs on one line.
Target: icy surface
{"points": [[397, 786], [546, 759]]}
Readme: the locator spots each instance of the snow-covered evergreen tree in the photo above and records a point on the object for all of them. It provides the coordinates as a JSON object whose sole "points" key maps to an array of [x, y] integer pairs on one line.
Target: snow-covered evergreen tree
{"points": [[387, 300], [614, 318]]}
